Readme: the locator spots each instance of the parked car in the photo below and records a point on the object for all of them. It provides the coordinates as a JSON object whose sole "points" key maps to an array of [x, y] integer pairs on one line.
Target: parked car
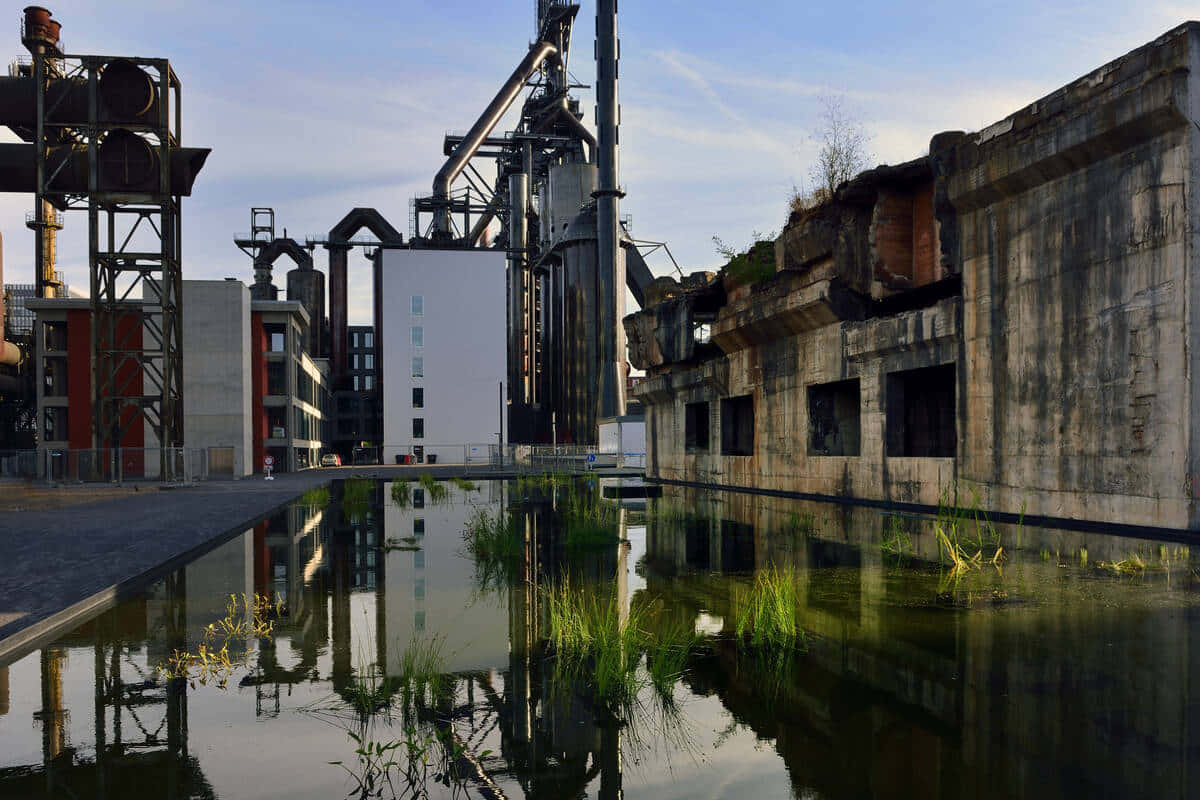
{"points": [[331, 460]]}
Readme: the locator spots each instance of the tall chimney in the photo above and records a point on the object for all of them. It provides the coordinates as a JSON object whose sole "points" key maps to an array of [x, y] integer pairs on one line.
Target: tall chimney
{"points": [[610, 256]]}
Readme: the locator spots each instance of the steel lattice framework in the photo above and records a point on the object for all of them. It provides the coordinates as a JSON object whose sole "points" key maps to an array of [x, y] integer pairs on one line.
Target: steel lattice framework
{"points": [[134, 236]]}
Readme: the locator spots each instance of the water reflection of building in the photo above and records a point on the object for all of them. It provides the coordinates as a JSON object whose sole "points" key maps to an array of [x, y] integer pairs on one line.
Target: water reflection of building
{"points": [[1032, 681]]}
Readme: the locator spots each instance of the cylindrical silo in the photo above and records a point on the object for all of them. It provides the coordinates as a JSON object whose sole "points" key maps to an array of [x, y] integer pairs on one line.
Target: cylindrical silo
{"points": [[307, 286]]}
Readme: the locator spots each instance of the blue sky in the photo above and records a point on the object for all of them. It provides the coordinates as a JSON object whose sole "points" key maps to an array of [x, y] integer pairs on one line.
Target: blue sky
{"points": [[314, 109]]}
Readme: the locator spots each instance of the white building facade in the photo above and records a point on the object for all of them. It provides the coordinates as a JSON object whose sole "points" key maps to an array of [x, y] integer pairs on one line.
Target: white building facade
{"points": [[443, 352]]}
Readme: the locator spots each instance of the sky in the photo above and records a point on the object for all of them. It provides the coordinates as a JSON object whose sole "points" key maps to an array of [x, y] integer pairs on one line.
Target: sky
{"points": [[313, 109]]}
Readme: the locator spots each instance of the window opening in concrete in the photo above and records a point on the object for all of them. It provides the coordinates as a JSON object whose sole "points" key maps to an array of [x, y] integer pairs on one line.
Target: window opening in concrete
{"points": [[276, 379], [834, 419], [54, 372], [277, 422], [54, 335], [695, 425], [921, 420], [56, 424], [418, 428], [418, 305], [418, 397], [276, 337], [737, 426]]}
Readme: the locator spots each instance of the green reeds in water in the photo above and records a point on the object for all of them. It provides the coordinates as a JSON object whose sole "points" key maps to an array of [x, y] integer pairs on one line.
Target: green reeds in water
{"points": [[495, 545], [436, 490], [768, 615], [464, 484], [317, 497], [356, 497], [600, 644]]}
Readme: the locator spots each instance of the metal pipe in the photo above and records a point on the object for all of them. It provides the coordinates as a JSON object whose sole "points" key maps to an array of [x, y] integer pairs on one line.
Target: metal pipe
{"points": [[610, 267], [9, 353], [518, 240], [483, 126]]}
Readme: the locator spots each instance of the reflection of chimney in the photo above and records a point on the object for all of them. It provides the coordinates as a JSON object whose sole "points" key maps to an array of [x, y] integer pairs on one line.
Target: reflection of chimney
{"points": [[611, 258], [53, 716], [3, 691]]}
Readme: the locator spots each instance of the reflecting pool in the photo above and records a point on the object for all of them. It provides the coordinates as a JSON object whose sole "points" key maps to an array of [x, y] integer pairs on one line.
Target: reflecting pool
{"points": [[535, 639]]}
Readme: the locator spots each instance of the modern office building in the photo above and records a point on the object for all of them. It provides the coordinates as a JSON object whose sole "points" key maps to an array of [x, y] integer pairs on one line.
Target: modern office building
{"points": [[249, 388], [443, 351]]}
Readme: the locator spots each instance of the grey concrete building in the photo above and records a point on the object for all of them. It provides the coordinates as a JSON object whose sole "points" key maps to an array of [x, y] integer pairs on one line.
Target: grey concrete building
{"points": [[1012, 317]]}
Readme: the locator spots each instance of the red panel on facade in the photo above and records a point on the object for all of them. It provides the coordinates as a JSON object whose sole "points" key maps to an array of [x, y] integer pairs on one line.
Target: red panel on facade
{"points": [[79, 379]]}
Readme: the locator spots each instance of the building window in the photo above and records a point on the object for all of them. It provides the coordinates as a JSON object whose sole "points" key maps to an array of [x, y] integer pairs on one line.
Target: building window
{"points": [[418, 428], [695, 425], [419, 563], [418, 498], [418, 367], [833, 419], [368, 339], [737, 426], [276, 378], [276, 337], [368, 362], [356, 383], [369, 383], [418, 527], [56, 423], [354, 362], [54, 335], [354, 339], [54, 376], [418, 397], [921, 419], [418, 336], [418, 306]]}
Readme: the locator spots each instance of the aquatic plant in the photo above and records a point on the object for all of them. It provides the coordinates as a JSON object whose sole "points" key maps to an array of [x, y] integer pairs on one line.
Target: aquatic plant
{"points": [[599, 644], [247, 617], [437, 490], [768, 614], [895, 541], [464, 484], [317, 497], [801, 524], [401, 494], [356, 497]]}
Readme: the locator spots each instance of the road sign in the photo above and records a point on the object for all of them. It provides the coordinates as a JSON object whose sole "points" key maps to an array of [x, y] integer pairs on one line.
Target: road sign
{"points": [[591, 458], [269, 461]]}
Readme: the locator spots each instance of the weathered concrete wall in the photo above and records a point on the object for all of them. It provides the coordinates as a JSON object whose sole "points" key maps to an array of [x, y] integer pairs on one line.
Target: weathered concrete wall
{"points": [[1048, 258], [1074, 224]]}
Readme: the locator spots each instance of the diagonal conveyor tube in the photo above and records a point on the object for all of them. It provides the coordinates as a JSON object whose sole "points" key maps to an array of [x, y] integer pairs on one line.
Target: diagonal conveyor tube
{"points": [[480, 130]]}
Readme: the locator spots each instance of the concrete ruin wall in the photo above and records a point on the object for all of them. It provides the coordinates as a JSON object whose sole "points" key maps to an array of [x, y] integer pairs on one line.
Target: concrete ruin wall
{"points": [[1049, 259]]}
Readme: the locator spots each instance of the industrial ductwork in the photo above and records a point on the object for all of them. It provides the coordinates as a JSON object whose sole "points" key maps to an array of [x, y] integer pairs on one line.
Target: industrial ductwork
{"points": [[128, 163], [483, 126], [9, 352]]}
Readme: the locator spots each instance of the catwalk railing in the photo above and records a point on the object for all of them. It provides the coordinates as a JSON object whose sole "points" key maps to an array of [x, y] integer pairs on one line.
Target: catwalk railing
{"points": [[116, 465]]}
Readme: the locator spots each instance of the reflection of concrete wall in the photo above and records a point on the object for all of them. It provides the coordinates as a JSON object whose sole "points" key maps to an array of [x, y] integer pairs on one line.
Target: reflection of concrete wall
{"points": [[1034, 680], [431, 591]]}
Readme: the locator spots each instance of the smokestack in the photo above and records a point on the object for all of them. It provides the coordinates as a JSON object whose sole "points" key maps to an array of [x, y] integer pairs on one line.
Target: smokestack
{"points": [[610, 255]]}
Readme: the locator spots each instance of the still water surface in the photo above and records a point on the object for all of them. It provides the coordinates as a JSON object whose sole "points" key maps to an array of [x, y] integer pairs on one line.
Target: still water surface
{"points": [[1065, 669]]}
